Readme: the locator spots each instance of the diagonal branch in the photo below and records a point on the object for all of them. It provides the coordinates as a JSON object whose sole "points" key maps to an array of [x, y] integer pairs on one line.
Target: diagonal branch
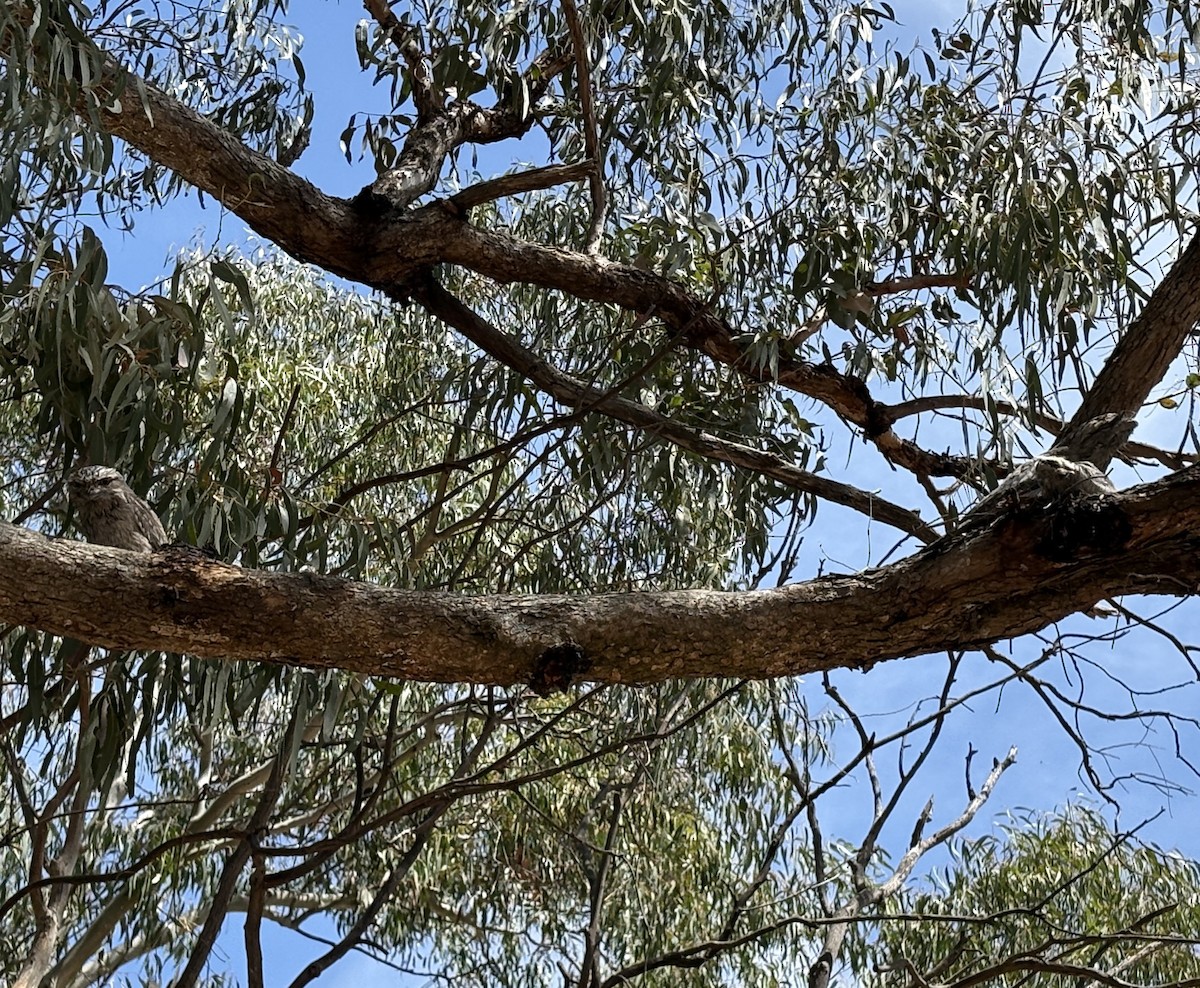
{"points": [[382, 895], [575, 394], [365, 243], [503, 258], [371, 242], [1141, 358]]}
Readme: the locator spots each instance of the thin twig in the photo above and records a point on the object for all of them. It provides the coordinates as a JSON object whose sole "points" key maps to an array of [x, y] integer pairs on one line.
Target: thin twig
{"points": [[591, 140], [284, 425]]}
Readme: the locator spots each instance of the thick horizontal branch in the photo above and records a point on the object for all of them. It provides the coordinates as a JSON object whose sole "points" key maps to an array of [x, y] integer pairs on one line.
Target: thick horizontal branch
{"points": [[953, 594]]}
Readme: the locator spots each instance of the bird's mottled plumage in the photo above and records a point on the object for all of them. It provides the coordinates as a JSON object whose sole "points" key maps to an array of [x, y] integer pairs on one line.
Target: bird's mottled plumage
{"points": [[1068, 468], [108, 512]]}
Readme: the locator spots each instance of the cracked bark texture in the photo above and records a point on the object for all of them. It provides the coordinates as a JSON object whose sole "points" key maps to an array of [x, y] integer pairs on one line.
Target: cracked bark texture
{"points": [[962, 591]]}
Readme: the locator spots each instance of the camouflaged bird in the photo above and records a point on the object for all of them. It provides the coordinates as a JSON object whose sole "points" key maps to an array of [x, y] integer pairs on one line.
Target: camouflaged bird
{"points": [[1067, 468], [108, 512]]}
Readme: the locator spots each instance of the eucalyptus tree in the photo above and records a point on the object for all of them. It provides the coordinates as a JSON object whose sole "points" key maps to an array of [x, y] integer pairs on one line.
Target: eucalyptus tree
{"points": [[498, 560], [1085, 891]]}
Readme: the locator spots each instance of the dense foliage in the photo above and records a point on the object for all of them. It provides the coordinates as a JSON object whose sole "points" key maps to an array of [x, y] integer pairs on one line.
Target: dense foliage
{"points": [[778, 265]]}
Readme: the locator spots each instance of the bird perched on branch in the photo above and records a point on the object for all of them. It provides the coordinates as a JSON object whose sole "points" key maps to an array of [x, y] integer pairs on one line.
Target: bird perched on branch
{"points": [[1067, 468], [108, 512]]}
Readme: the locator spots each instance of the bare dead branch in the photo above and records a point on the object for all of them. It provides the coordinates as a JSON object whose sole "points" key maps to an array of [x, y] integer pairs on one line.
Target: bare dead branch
{"points": [[177, 602], [903, 869]]}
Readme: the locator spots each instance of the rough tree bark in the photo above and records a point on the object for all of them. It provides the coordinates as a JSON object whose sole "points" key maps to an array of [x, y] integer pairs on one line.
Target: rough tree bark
{"points": [[1024, 573]]}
